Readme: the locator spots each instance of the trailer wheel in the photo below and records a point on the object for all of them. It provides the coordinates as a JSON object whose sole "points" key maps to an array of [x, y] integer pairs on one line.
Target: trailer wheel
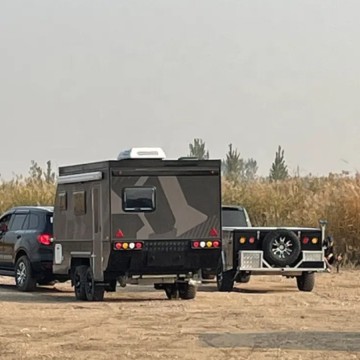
{"points": [[171, 291], [306, 281], [79, 282], [243, 278], [281, 247], [93, 291], [224, 279], [187, 291]]}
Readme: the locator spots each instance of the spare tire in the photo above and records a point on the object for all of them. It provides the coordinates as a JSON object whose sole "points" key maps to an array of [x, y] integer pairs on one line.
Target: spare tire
{"points": [[281, 247]]}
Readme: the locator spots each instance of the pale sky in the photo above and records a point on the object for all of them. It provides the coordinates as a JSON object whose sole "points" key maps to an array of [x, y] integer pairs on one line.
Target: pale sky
{"points": [[82, 80]]}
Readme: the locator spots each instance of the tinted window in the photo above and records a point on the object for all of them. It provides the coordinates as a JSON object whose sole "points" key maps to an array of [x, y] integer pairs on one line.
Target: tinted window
{"points": [[49, 223], [4, 223], [18, 222], [34, 222], [79, 203], [139, 199], [233, 218]]}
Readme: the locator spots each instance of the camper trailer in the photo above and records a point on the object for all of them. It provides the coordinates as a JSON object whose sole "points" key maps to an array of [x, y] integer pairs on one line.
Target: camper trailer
{"points": [[140, 219]]}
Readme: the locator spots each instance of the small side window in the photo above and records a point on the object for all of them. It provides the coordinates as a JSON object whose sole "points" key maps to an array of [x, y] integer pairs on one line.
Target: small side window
{"points": [[62, 201], [79, 202], [34, 222], [139, 199]]}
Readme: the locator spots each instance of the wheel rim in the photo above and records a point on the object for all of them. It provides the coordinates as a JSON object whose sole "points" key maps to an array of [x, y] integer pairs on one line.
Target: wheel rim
{"points": [[21, 274], [282, 248]]}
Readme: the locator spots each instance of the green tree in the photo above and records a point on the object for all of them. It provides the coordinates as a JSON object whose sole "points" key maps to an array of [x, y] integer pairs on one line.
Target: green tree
{"points": [[250, 169], [233, 166], [278, 169], [198, 150]]}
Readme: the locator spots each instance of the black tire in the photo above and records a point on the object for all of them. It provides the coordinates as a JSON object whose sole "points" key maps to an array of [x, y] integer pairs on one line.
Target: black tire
{"points": [[281, 248], [243, 278], [24, 278], [79, 282], [171, 291], [187, 291], [306, 282], [207, 276], [224, 280], [111, 287], [93, 291]]}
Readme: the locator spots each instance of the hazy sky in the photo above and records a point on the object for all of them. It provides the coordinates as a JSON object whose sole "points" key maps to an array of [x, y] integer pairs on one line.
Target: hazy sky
{"points": [[82, 80]]}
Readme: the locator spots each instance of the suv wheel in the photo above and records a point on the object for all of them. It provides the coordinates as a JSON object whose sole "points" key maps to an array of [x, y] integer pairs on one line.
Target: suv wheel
{"points": [[23, 275]]}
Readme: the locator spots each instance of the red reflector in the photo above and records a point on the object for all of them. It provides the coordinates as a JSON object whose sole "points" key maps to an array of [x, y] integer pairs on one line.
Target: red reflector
{"points": [[196, 244], [138, 245], [119, 234], [306, 240], [44, 239], [118, 246], [213, 232], [216, 243], [251, 240]]}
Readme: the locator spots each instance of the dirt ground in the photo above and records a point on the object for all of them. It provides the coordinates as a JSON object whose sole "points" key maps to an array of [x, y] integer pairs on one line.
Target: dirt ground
{"points": [[268, 318]]}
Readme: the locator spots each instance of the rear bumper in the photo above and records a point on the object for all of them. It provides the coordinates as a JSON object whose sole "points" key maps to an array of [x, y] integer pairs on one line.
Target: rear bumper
{"points": [[161, 261], [311, 261]]}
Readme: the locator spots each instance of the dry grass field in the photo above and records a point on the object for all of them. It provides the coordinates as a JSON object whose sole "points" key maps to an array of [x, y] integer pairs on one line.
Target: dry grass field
{"points": [[268, 318]]}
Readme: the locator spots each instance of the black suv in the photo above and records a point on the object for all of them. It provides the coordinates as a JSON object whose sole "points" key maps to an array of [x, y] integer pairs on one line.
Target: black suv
{"points": [[26, 249]]}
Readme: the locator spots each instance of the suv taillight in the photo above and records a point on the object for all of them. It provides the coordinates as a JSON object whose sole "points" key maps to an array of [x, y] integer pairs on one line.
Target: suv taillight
{"points": [[44, 239]]}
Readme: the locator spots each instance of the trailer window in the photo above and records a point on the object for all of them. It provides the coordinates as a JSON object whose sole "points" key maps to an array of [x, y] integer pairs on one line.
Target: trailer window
{"points": [[139, 199], [63, 201], [79, 203]]}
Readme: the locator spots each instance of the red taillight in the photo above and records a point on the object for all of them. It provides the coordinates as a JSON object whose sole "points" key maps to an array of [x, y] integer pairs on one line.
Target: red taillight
{"points": [[214, 232], [44, 239], [216, 244], [118, 245], [196, 244], [305, 240], [138, 245], [251, 240]]}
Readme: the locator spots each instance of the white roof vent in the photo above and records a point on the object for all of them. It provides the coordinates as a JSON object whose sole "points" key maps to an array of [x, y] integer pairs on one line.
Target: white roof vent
{"points": [[142, 153]]}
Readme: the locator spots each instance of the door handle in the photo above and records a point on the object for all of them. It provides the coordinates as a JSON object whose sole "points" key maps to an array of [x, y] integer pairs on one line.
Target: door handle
{"points": [[18, 236]]}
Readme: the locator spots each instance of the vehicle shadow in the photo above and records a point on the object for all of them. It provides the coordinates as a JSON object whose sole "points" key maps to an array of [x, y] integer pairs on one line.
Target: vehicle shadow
{"points": [[9, 293], [210, 289]]}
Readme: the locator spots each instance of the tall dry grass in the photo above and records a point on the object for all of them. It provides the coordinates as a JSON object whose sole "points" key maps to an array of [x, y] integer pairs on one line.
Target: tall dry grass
{"points": [[294, 202], [303, 202]]}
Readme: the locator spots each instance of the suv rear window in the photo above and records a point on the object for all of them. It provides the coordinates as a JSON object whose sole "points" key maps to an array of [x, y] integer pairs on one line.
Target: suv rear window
{"points": [[49, 223]]}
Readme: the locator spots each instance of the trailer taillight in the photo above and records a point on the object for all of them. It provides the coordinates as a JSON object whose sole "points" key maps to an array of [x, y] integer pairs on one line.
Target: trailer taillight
{"points": [[44, 239], [121, 245], [305, 240], [216, 244], [209, 244], [252, 240]]}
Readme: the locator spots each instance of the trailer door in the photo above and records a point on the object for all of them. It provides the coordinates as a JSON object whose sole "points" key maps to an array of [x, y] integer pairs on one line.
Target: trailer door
{"points": [[97, 232]]}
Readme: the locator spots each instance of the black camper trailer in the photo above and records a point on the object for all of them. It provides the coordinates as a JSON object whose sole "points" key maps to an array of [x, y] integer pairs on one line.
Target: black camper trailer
{"points": [[140, 219]]}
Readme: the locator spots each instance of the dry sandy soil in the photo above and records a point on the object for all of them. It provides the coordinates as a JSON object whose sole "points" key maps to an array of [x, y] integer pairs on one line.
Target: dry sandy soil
{"points": [[264, 319]]}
